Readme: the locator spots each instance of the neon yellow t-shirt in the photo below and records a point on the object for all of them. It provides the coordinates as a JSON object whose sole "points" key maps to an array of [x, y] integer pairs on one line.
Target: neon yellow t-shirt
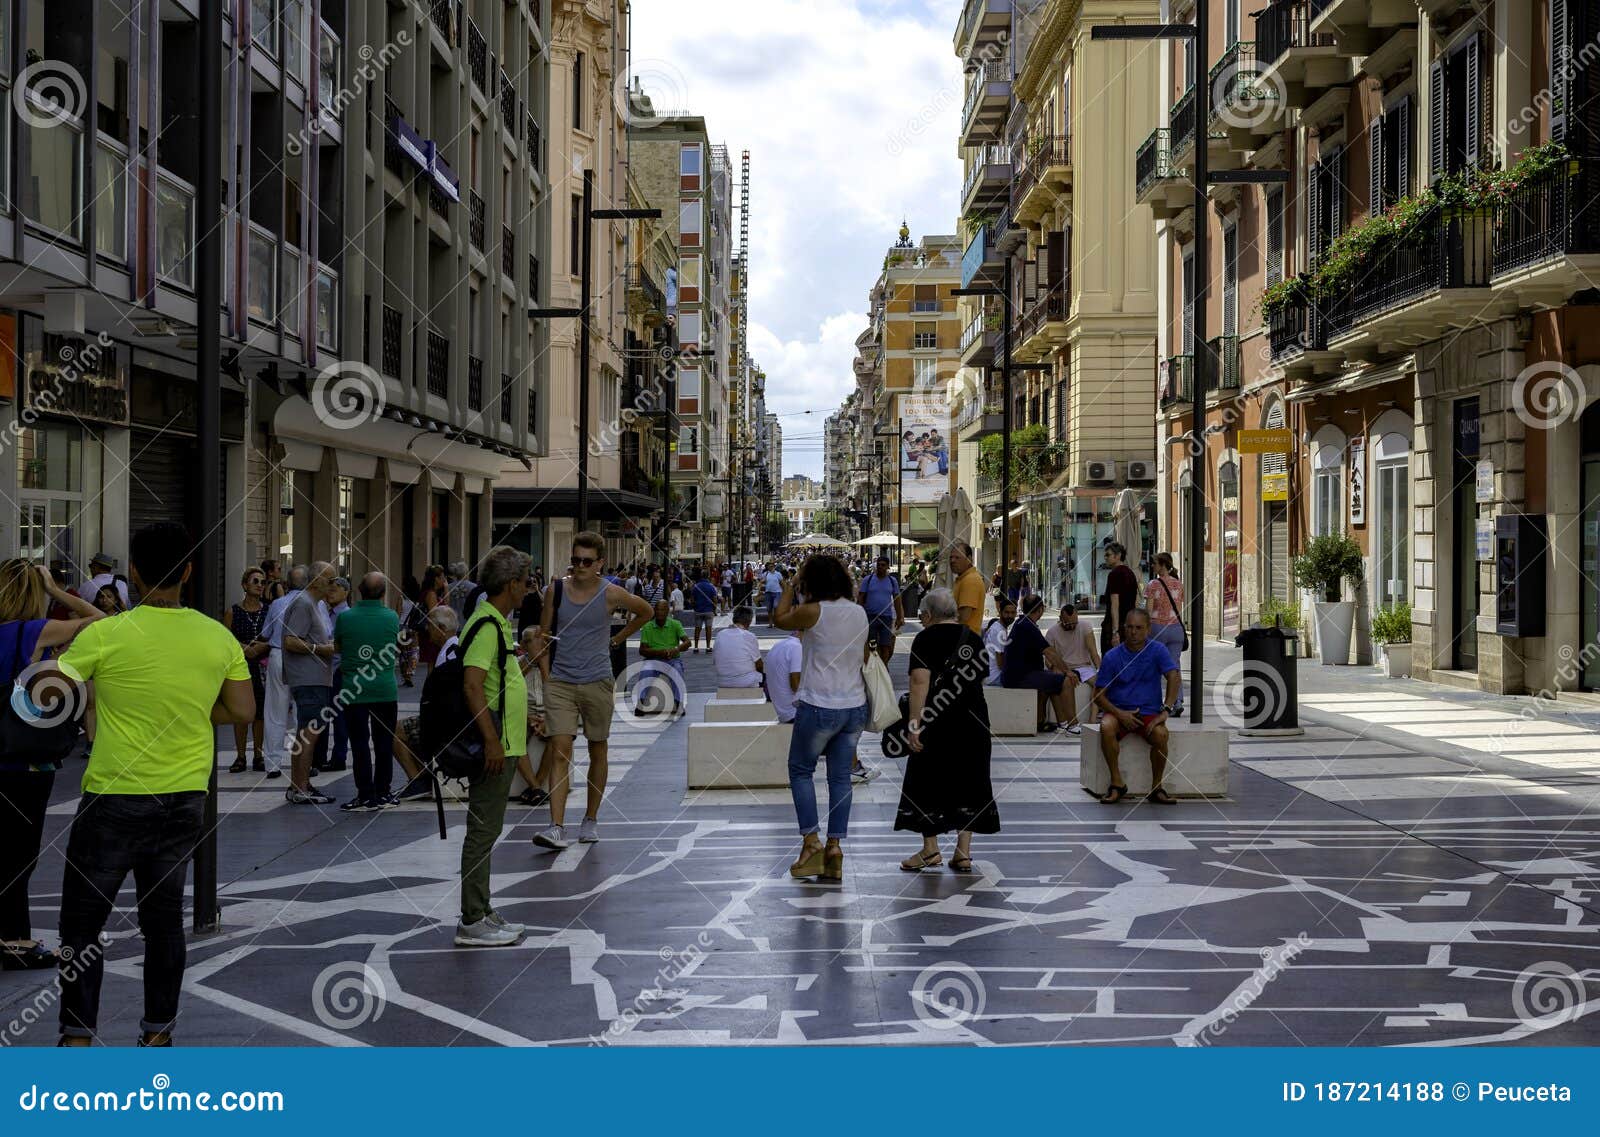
{"points": [[157, 673], [482, 654]]}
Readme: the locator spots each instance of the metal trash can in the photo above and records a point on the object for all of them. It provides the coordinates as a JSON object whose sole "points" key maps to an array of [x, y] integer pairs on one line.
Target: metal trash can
{"points": [[1267, 691]]}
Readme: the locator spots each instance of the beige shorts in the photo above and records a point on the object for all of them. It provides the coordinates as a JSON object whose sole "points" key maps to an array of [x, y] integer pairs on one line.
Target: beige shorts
{"points": [[567, 705]]}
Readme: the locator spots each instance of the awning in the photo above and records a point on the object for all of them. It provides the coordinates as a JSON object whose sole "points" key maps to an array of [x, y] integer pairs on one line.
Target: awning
{"points": [[562, 501], [304, 434]]}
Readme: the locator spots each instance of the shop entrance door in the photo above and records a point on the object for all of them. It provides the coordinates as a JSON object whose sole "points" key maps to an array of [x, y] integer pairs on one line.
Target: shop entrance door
{"points": [[1464, 610], [1589, 554]]}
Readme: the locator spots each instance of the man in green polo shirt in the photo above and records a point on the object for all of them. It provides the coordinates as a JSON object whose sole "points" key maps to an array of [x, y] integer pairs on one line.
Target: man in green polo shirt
{"points": [[662, 643], [367, 637], [497, 694]]}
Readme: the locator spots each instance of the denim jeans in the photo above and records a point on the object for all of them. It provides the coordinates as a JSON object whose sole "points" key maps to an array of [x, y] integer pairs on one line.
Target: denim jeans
{"points": [[824, 732], [374, 723], [152, 836], [1170, 636]]}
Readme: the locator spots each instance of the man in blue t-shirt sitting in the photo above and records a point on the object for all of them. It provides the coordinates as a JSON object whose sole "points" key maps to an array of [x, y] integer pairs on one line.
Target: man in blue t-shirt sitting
{"points": [[880, 596], [1129, 689], [1030, 663]]}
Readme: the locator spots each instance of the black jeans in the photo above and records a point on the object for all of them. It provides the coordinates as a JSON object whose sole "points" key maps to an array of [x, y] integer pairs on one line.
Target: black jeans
{"points": [[153, 837], [375, 721], [24, 797]]}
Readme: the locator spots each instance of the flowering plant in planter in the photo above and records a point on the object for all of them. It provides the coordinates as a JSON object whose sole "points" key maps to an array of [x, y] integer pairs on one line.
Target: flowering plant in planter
{"points": [[1277, 297]]}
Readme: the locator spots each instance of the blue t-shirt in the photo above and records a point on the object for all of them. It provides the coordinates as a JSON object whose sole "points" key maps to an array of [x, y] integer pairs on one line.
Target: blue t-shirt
{"points": [[1024, 651], [18, 640], [1133, 681], [880, 594], [705, 596]]}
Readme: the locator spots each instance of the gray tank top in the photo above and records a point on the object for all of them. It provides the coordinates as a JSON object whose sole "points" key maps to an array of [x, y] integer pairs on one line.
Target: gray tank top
{"points": [[583, 647]]}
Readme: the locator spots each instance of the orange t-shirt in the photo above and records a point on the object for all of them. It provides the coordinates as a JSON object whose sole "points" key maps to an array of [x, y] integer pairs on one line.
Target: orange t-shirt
{"points": [[969, 594]]}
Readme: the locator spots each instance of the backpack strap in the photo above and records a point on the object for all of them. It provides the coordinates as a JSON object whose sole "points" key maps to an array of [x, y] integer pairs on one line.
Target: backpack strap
{"points": [[504, 654]]}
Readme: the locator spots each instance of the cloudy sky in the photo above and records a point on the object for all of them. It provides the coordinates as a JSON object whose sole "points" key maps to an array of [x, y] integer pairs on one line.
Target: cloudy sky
{"points": [[849, 109]]}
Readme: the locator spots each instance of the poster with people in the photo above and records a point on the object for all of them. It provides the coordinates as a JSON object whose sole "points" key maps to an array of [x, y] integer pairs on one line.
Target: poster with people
{"points": [[924, 447]]}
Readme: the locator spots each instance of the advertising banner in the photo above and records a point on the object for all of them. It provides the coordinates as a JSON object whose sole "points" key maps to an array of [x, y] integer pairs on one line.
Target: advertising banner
{"points": [[924, 447]]}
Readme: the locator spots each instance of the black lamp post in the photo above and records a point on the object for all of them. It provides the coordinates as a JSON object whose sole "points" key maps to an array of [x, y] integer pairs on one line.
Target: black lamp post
{"points": [[581, 314]]}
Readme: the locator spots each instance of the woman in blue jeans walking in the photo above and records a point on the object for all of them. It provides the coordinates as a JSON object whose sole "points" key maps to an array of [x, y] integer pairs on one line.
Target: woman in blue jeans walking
{"points": [[830, 706]]}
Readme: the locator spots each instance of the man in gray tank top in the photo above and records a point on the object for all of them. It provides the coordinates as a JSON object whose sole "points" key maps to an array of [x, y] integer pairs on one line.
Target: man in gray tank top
{"points": [[578, 685]]}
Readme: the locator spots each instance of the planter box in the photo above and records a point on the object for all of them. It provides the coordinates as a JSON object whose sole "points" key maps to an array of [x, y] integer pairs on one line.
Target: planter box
{"points": [[1335, 622], [1396, 661]]}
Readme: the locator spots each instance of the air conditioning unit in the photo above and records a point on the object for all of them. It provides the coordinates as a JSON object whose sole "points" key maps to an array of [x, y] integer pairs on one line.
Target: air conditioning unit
{"points": [[1141, 472], [1100, 470]]}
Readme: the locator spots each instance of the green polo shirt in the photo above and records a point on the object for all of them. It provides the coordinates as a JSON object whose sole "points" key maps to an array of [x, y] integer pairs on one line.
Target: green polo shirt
{"points": [[367, 635], [661, 637], [483, 654]]}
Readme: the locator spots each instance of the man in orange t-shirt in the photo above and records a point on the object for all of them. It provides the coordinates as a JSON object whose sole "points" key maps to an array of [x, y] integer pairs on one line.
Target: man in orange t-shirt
{"points": [[969, 587]]}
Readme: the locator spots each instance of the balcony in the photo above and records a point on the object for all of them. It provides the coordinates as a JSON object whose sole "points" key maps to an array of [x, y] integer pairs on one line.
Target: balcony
{"points": [[978, 418], [533, 278], [1175, 384], [1157, 182], [644, 295], [985, 27], [1223, 374], [988, 179], [442, 19], [1297, 335], [508, 254], [1414, 289], [988, 488], [1293, 59], [1043, 325], [474, 383], [393, 338], [505, 399], [982, 265], [1547, 236], [1181, 124], [478, 57], [438, 365], [1244, 110], [1360, 27], [535, 143], [1045, 175], [983, 118], [980, 341], [475, 228], [508, 101]]}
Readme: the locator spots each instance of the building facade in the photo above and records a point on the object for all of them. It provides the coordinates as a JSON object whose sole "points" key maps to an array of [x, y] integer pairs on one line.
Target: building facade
{"points": [[1412, 307], [366, 406], [1048, 232]]}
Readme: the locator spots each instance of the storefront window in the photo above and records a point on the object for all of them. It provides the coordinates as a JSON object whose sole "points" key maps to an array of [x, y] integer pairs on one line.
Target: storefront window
{"points": [[1327, 488], [1393, 475], [347, 523], [50, 458], [50, 497], [286, 514]]}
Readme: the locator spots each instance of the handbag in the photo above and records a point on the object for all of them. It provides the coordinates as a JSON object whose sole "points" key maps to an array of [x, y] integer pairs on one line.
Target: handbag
{"points": [[883, 709], [1175, 612]]}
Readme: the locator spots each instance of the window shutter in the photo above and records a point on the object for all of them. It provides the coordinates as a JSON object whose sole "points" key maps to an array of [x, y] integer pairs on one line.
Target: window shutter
{"points": [[1274, 235], [1560, 50], [1230, 281], [1375, 166], [1314, 216], [1188, 305], [1436, 121], [1474, 91], [1335, 194], [1401, 112]]}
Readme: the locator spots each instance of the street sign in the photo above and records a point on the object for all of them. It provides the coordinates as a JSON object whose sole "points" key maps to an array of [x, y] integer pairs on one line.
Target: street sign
{"points": [[1275, 487], [1280, 441]]}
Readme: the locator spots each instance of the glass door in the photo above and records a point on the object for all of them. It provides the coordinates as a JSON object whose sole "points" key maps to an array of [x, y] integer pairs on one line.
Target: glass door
{"points": [[1589, 677], [1464, 610]]}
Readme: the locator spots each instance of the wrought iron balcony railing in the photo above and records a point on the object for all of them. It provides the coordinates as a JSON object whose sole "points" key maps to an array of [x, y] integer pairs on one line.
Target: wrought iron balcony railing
{"points": [[393, 339], [438, 365], [1549, 216]]}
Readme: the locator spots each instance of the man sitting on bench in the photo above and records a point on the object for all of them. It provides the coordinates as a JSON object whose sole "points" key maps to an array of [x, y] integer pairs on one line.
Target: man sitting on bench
{"points": [[1030, 661], [1129, 690]]}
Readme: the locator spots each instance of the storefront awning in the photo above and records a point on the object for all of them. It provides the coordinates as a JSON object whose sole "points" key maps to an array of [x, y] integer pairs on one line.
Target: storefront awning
{"points": [[408, 448], [562, 501]]}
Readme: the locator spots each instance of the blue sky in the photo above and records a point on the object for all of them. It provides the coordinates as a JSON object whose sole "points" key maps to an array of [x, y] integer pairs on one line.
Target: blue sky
{"points": [[849, 109]]}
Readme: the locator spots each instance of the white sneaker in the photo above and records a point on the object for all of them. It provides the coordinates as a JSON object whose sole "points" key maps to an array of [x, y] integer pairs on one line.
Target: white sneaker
{"points": [[500, 921], [864, 774], [1073, 728], [588, 831], [554, 837], [485, 934]]}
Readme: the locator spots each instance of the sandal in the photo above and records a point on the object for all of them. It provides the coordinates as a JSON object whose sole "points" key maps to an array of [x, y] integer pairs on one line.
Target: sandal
{"points": [[1159, 796], [239, 766], [922, 860], [960, 863], [1113, 795]]}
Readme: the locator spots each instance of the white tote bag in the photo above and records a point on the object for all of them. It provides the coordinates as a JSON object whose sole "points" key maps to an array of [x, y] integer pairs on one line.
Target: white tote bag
{"points": [[883, 708]]}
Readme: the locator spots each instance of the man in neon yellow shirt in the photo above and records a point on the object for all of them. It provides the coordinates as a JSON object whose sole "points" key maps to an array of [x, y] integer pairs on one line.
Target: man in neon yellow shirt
{"points": [[164, 676], [662, 643]]}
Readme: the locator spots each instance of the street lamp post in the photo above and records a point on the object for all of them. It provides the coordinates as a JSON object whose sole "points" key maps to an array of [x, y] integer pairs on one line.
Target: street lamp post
{"points": [[582, 314]]}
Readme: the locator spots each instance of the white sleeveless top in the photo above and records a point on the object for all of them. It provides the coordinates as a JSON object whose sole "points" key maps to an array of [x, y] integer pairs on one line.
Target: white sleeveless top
{"points": [[830, 672]]}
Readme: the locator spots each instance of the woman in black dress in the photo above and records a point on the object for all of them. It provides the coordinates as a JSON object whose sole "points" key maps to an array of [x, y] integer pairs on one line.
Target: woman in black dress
{"points": [[946, 784], [244, 620]]}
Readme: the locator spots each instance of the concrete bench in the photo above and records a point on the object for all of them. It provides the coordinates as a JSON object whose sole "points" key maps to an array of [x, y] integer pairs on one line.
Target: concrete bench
{"points": [[1013, 712], [739, 755], [740, 710], [741, 693], [1197, 761]]}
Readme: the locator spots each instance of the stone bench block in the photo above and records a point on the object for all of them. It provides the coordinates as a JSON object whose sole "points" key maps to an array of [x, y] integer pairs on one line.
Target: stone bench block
{"points": [[740, 710], [1197, 761], [739, 755], [740, 693], [1014, 712]]}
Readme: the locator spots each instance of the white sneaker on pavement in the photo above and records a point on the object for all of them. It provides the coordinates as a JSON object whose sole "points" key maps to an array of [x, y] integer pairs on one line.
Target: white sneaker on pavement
{"points": [[554, 837], [485, 934], [500, 921], [588, 831], [863, 774]]}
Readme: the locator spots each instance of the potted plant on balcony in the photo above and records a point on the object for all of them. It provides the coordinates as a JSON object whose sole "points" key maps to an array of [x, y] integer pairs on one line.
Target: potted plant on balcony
{"points": [[1280, 296], [1329, 561], [1391, 629]]}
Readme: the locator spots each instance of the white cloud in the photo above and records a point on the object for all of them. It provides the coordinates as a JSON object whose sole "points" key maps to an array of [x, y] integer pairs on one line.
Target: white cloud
{"points": [[849, 109]]}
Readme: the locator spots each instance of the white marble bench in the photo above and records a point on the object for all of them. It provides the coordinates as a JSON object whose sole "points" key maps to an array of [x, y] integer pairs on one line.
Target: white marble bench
{"points": [[1014, 711], [1197, 761], [739, 710], [739, 755], [740, 693]]}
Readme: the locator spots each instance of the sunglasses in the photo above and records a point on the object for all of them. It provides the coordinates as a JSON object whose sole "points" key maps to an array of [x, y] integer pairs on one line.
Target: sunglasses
{"points": [[584, 562]]}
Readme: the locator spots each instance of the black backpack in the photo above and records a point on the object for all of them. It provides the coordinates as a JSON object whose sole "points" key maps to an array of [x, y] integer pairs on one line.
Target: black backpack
{"points": [[451, 742]]}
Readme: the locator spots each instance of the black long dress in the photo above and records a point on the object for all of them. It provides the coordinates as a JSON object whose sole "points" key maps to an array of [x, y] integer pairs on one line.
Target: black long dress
{"points": [[946, 787]]}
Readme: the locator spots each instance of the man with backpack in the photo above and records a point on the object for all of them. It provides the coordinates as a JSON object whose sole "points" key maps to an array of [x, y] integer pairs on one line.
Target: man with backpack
{"points": [[496, 697]]}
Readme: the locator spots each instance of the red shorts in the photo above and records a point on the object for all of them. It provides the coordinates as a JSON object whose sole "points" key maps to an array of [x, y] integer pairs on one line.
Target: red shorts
{"points": [[1145, 719]]}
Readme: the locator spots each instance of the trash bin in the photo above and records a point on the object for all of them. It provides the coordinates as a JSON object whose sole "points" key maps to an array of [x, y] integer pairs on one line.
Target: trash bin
{"points": [[1268, 691]]}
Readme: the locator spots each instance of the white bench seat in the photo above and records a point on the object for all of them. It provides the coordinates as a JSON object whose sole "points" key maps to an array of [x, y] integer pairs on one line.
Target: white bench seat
{"points": [[1013, 711], [739, 755], [1197, 761], [740, 710], [740, 693]]}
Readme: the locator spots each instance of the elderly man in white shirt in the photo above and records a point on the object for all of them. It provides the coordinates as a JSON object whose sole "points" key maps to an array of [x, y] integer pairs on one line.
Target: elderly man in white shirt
{"points": [[737, 652]]}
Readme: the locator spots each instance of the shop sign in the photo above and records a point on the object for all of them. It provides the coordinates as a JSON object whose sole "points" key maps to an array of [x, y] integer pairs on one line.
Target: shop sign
{"points": [[1485, 535], [1485, 472], [1358, 481], [1275, 441], [1275, 487], [76, 377]]}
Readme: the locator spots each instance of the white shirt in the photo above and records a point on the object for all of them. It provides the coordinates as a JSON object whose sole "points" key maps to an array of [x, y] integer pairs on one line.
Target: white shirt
{"points": [[92, 588], [736, 651], [727, 578], [783, 661], [774, 581], [833, 649], [449, 650], [677, 600], [995, 640]]}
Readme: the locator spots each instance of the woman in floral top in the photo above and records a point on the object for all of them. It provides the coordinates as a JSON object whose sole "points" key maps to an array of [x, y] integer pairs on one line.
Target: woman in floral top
{"points": [[1163, 599]]}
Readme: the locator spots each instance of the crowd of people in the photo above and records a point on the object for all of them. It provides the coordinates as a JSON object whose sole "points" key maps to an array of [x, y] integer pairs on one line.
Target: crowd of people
{"points": [[307, 668]]}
